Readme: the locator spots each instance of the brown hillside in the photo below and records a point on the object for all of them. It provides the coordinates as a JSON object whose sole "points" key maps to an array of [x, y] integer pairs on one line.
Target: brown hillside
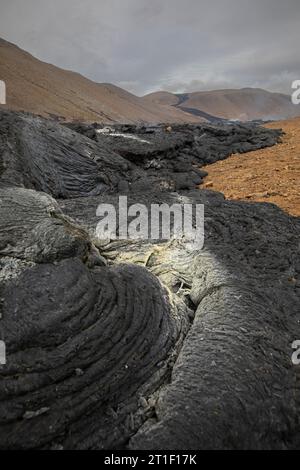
{"points": [[44, 89], [245, 104], [162, 97]]}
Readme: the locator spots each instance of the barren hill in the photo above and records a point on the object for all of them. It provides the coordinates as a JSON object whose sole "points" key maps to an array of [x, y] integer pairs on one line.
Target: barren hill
{"points": [[244, 104], [162, 97], [41, 88]]}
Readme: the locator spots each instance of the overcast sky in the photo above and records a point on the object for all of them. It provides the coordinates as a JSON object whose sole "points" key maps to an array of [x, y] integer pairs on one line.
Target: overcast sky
{"points": [[175, 45]]}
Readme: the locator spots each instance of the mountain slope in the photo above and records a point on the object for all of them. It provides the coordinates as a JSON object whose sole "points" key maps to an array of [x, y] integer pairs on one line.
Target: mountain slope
{"points": [[162, 97], [245, 104], [41, 88]]}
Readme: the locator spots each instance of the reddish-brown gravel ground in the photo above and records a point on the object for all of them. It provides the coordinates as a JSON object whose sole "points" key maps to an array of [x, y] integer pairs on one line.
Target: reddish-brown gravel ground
{"points": [[267, 175]]}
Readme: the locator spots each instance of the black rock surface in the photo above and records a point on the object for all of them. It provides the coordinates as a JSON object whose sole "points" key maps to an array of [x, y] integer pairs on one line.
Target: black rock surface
{"points": [[141, 344]]}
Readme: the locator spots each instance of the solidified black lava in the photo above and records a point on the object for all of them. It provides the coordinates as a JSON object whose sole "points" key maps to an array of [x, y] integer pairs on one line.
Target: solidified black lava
{"points": [[141, 344]]}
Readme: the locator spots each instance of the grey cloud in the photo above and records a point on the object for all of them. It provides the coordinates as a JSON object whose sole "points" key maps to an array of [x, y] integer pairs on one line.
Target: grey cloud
{"points": [[177, 45]]}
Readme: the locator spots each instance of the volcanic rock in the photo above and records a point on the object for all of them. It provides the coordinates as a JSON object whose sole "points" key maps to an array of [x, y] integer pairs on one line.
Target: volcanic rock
{"points": [[141, 344]]}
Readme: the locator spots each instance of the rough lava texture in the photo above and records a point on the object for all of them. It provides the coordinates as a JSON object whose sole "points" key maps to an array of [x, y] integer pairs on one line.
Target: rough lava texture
{"points": [[141, 344]]}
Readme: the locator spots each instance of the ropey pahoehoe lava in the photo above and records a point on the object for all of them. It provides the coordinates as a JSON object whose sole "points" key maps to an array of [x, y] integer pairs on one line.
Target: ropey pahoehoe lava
{"points": [[141, 344]]}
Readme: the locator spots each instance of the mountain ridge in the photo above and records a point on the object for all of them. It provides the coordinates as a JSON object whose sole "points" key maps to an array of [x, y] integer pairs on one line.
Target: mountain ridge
{"points": [[45, 89], [42, 88]]}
